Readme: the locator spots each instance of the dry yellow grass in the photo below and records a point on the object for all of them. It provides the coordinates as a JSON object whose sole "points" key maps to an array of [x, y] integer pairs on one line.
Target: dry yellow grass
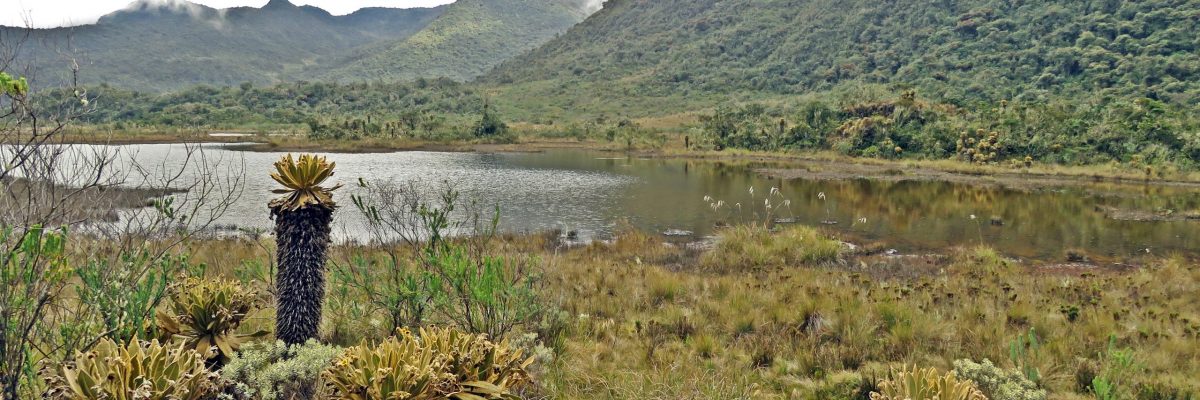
{"points": [[649, 321]]}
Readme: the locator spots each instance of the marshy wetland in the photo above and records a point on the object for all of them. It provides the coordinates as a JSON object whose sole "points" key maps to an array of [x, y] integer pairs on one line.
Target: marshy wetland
{"points": [[623, 275], [590, 195]]}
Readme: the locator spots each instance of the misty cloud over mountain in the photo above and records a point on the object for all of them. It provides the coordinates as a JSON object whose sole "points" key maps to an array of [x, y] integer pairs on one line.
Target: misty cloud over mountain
{"points": [[156, 45]]}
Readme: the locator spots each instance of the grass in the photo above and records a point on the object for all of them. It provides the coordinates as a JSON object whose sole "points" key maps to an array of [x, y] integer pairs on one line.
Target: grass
{"points": [[748, 248], [790, 314], [791, 328]]}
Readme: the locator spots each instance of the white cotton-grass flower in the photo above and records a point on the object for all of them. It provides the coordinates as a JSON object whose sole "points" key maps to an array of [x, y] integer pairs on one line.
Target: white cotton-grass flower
{"points": [[752, 191], [862, 220], [708, 199], [972, 216], [821, 195], [775, 191]]}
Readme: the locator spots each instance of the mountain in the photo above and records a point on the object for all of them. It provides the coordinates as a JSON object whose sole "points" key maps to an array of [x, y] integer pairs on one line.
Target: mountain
{"points": [[157, 45], [961, 52], [467, 40]]}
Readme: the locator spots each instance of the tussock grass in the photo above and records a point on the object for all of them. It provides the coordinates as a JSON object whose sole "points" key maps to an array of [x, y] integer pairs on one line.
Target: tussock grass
{"points": [[780, 321], [754, 247], [802, 329]]}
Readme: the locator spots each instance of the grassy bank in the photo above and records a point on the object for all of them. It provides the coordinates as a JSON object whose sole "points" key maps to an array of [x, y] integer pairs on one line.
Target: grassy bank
{"points": [[796, 315], [670, 144]]}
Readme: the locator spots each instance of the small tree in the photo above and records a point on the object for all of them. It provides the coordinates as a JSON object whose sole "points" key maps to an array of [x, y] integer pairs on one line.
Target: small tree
{"points": [[490, 125]]}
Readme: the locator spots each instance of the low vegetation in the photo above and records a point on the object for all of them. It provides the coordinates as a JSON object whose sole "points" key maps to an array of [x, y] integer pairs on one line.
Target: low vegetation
{"points": [[437, 364], [926, 383], [206, 314], [637, 319], [134, 370]]}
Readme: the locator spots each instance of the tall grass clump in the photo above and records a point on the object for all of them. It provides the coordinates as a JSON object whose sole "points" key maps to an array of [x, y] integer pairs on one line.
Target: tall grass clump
{"points": [[754, 247]]}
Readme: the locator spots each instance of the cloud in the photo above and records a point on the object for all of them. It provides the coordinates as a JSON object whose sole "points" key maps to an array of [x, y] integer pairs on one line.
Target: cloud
{"points": [[56, 13], [591, 6], [195, 11]]}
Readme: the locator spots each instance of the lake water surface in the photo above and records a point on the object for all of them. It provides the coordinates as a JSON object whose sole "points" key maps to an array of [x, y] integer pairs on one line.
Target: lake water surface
{"points": [[595, 193]]}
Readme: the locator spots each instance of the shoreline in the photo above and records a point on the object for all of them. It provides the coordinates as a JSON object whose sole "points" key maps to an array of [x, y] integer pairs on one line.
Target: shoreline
{"points": [[816, 165]]}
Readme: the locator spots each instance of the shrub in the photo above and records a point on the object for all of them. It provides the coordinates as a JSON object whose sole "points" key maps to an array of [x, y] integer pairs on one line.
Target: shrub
{"points": [[926, 384], [124, 293], [996, 383], [485, 294], [461, 281], [441, 363], [490, 124], [137, 370], [264, 370], [206, 313]]}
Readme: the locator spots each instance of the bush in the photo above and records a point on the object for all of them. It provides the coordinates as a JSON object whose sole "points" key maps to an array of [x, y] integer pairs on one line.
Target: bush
{"points": [[264, 370], [490, 125], [124, 293], [441, 363], [926, 384], [206, 314], [137, 370], [486, 294], [996, 383], [459, 280]]}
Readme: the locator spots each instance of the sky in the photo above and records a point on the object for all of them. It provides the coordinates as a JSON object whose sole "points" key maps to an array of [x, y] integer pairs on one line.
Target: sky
{"points": [[54, 13]]}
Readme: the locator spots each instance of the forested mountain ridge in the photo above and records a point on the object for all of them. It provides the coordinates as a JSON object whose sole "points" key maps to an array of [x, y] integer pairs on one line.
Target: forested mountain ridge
{"points": [[470, 38], [164, 45], [957, 51]]}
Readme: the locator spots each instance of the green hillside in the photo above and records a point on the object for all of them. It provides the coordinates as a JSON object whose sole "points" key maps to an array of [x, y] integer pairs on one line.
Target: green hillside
{"points": [[467, 40], [155, 45], [982, 81], [957, 51]]}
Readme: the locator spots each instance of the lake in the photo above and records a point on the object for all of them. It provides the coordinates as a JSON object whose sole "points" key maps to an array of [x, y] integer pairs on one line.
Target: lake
{"points": [[594, 194]]}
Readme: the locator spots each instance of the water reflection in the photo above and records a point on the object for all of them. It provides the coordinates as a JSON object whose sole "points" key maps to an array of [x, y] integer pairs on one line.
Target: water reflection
{"points": [[591, 193]]}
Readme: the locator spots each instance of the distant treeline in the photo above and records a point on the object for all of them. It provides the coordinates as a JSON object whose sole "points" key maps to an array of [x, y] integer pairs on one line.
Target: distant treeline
{"points": [[1139, 132], [422, 105]]}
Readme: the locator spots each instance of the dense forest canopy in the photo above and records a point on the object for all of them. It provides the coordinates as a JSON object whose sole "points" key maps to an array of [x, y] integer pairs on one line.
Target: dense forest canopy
{"points": [[957, 51]]}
